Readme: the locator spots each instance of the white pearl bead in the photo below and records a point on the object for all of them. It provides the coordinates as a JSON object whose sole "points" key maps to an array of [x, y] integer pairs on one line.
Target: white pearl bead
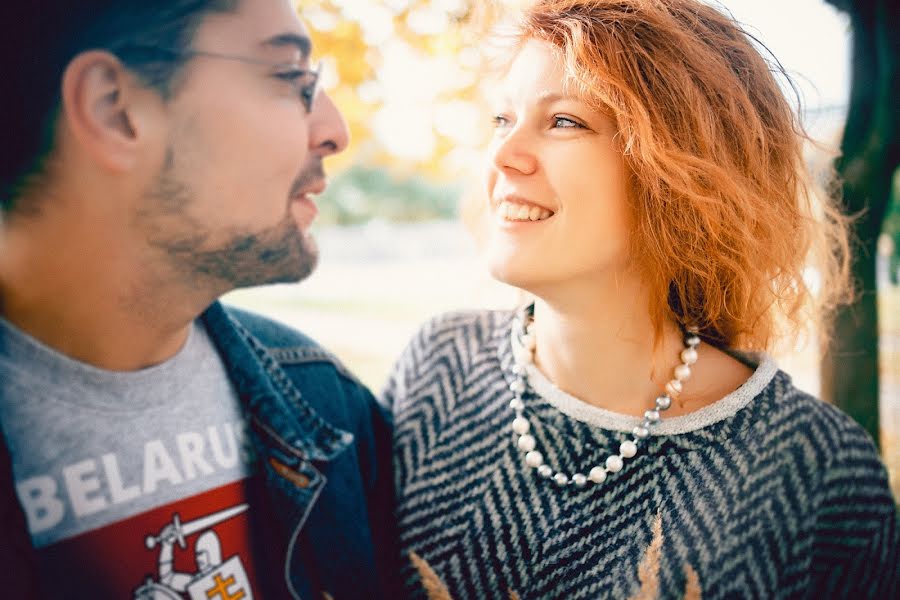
{"points": [[640, 432], [652, 415], [527, 443], [545, 471], [673, 388], [689, 356], [682, 372], [614, 464], [516, 404], [693, 341], [663, 402], [521, 425], [517, 386], [534, 459], [579, 480], [628, 448], [597, 475], [529, 342], [560, 479], [523, 356]]}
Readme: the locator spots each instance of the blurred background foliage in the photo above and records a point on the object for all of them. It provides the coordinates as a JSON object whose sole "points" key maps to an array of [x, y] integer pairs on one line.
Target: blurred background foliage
{"points": [[406, 75], [360, 194]]}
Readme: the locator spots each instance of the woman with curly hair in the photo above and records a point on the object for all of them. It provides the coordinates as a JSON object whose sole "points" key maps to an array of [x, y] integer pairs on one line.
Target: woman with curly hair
{"points": [[626, 434]]}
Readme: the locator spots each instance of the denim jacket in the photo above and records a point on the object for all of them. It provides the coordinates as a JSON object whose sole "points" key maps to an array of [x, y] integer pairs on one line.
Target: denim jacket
{"points": [[323, 446]]}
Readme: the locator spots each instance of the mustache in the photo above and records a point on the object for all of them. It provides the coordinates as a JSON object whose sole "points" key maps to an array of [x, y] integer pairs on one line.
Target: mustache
{"points": [[310, 174]]}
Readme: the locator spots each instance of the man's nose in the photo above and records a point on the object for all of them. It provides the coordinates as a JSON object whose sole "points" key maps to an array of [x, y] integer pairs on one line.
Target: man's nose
{"points": [[328, 129]]}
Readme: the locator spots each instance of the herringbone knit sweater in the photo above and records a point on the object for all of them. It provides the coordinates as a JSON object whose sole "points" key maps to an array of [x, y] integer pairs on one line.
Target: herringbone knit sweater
{"points": [[768, 493]]}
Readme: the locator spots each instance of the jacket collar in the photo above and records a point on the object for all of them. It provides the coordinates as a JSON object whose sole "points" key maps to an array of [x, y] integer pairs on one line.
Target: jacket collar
{"points": [[274, 405]]}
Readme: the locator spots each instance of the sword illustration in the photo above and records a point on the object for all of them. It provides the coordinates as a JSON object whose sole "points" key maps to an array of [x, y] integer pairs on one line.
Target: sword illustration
{"points": [[182, 530]]}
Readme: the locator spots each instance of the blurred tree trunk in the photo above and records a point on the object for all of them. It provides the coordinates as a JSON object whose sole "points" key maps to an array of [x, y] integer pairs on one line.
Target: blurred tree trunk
{"points": [[869, 155]]}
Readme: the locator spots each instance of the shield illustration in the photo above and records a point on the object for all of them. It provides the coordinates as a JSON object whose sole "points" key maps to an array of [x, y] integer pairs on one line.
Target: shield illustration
{"points": [[228, 581]]}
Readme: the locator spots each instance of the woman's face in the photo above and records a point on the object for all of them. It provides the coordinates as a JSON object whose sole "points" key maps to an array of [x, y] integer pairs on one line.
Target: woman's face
{"points": [[556, 181]]}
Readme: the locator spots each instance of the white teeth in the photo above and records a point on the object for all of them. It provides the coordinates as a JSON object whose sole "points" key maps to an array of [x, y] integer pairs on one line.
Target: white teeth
{"points": [[520, 212]]}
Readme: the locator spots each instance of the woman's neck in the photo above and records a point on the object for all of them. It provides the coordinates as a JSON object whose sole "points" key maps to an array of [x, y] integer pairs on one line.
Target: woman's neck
{"points": [[600, 347]]}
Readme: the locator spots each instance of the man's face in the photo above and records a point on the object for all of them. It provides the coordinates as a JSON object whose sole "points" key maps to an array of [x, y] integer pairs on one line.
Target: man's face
{"points": [[230, 205]]}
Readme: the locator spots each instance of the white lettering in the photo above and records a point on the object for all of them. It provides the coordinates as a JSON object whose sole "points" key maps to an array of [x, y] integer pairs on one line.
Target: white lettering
{"points": [[43, 509], [117, 491], [225, 460], [158, 466], [190, 447], [242, 433], [81, 482]]}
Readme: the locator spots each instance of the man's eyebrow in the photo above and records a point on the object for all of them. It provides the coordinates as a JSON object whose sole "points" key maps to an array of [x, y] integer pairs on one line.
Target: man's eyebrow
{"points": [[301, 42]]}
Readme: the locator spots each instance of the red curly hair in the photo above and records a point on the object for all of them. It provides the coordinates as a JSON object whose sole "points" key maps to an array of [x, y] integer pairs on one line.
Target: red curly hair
{"points": [[724, 217]]}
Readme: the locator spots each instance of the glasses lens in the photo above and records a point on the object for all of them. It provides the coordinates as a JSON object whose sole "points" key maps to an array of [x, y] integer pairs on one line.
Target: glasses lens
{"points": [[310, 88]]}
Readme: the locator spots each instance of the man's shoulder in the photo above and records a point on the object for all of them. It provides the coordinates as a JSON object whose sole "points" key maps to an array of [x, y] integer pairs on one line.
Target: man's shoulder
{"points": [[268, 331], [287, 345], [310, 375]]}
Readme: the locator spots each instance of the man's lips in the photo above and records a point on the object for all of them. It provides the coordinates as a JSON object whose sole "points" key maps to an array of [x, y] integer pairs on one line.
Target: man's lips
{"points": [[314, 189], [303, 206]]}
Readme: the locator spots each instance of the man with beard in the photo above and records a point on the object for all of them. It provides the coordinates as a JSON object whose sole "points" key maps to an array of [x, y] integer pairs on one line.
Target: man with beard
{"points": [[154, 443]]}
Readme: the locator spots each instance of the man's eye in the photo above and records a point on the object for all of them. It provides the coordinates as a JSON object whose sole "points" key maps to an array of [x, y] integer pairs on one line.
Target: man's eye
{"points": [[292, 75], [302, 81], [565, 123], [500, 121], [296, 77]]}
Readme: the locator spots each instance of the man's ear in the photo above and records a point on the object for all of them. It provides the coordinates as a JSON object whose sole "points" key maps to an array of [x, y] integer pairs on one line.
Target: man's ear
{"points": [[98, 105]]}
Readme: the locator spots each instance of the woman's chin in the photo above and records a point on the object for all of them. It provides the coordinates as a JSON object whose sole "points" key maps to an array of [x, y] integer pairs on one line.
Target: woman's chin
{"points": [[520, 274]]}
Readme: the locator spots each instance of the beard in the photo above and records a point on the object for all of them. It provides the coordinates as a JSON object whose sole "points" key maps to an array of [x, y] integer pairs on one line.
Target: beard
{"points": [[239, 257], [279, 254]]}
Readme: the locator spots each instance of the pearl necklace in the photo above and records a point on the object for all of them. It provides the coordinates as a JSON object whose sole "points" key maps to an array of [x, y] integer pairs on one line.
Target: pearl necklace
{"points": [[524, 356]]}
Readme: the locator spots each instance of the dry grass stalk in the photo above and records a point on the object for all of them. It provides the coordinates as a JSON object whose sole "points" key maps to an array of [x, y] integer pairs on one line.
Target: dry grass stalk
{"points": [[434, 587], [648, 570]]}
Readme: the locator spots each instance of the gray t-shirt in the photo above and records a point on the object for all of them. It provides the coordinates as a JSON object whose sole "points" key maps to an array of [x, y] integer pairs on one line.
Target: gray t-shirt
{"points": [[129, 464]]}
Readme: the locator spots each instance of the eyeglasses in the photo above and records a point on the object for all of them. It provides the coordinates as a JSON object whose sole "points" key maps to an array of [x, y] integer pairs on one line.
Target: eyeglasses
{"points": [[305, 80]]}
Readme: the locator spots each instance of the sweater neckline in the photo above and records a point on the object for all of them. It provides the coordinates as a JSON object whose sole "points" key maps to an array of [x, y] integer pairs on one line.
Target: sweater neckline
{"points": [[765, 370]]}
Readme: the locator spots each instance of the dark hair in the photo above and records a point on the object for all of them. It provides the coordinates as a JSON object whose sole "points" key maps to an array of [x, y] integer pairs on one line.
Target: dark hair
{"points": [[41, 37]]}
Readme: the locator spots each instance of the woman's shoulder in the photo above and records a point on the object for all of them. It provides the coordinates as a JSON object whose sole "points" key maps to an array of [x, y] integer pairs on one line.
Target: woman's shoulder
{"points": [[820, 428], [856, 522], [443, 353], [465, 333]]}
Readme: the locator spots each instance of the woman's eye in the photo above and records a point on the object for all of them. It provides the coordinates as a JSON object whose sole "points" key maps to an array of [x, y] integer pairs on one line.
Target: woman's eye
{"points": [[565, 123], [500, 121]]}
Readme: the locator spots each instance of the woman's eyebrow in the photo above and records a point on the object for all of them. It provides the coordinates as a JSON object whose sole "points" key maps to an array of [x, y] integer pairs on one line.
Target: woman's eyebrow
{"points": [[548, 97]]}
